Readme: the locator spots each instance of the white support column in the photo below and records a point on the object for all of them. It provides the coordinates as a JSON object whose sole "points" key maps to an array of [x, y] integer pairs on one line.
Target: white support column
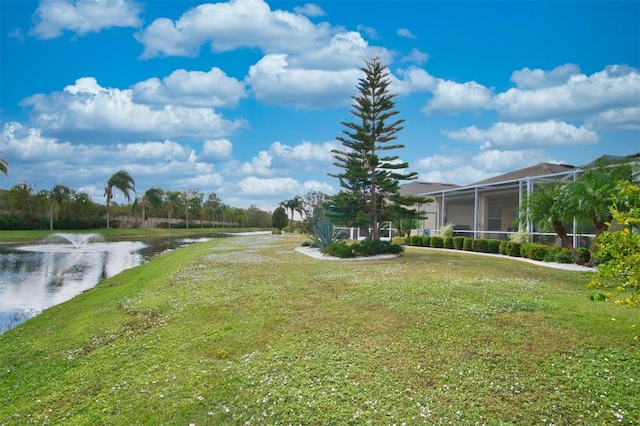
{"points": [[529, 192], [520, 200], [575, 221], [442, 211], [475, 213]]}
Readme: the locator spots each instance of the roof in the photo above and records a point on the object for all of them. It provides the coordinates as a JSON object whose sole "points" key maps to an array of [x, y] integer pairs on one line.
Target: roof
{"points": [[418, 188], [540, 169], [611, 159]]}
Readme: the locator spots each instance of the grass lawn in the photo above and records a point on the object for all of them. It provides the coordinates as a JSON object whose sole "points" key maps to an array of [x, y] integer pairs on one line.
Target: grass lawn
{"points": [[247, 331]]}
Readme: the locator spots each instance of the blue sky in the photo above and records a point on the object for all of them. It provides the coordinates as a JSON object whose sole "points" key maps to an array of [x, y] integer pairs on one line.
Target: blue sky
{"points": [[245, 98]]}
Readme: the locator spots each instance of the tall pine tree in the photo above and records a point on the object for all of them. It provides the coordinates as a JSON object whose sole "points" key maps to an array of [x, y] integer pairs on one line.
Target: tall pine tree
{"points": [[370, 174]]}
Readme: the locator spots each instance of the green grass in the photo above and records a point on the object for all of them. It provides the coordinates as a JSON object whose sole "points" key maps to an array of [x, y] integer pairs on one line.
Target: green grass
{"points": [[247, 331]]}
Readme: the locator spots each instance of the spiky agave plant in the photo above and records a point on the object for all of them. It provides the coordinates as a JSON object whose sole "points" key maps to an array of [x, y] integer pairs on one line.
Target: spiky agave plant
{"points": [[324, 233]]}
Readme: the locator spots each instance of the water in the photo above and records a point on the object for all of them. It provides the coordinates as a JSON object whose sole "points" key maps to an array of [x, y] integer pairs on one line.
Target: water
{"points": [[36, 277]]}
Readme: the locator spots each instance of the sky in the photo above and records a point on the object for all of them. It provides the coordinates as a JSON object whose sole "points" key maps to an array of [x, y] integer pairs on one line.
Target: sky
{"points": [[245, 98]]}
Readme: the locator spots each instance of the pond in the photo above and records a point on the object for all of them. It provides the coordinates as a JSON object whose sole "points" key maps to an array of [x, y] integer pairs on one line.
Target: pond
{"points": [[37, 276]]}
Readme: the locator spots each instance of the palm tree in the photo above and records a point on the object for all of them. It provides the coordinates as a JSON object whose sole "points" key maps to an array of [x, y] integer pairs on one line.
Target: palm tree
{"points": [[123, 182], [240, 216], [57, 195], [211, 205], [220, 210], [293, 205], [4, 166], [173, 201], [549, 205], [593, 194], [151, 197]]}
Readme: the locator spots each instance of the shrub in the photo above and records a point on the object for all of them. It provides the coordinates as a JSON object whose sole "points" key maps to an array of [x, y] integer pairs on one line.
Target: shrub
{"points": [[535, 251], [502, 249], [344, 249], [415, 240], [512, 249], [480, 245], [373, 247], [437, 241], [458, 243], [447, 230], [12, 222], [584, 254], [521, 236], [494, 245], [340, 249], [467, 244], [559, 254], [447, 242], [426, 241], [401, 241]]}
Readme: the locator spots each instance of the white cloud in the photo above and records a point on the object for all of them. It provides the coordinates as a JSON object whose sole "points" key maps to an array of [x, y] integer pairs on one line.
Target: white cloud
{"points": [[369, 31], [450, 97], [464, 168], [86, 106], [191, 88], [461, 176], [259, 165], [314, 185], [303, 152], [496, 161], [83, 16], [216, 149], [615, 119], [224, 25], [29, 144], [579, 97], [441, 162], [528, 79], [252, 185], [282, 186], [211, 180], [416, 56], [309, 9], [406, 33], [274, 82], [344, 50], [537, 134], [153, 151], [413, 79]]}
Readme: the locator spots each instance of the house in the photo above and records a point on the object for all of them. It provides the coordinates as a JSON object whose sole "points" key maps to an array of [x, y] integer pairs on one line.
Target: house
{"points": [[489, 208]]}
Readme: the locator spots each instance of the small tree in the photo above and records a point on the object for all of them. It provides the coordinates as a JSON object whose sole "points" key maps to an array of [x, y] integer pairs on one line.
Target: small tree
{"points": [[369, 179], [620, 251], [121, 181], [550, 207], [279, 218], [591, 195], [313, 212]]}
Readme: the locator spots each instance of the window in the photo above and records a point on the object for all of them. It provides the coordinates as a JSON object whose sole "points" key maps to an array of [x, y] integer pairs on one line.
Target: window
{"points": [[494, 221]]}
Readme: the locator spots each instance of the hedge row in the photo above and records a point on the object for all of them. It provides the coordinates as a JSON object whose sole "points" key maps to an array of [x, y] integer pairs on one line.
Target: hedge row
{"points": [[11, 222], [535, 251]]}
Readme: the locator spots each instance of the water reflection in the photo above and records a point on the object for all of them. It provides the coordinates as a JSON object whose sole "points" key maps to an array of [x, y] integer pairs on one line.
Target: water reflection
{"points": [[36, 277]]}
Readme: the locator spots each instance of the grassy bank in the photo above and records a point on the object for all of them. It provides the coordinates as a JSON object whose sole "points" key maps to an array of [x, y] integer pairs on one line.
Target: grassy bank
{"points": [[247, 331]]}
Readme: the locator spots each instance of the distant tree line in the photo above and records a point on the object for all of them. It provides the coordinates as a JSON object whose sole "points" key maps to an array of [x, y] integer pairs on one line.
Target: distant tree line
{"points": [[24, 207]]}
